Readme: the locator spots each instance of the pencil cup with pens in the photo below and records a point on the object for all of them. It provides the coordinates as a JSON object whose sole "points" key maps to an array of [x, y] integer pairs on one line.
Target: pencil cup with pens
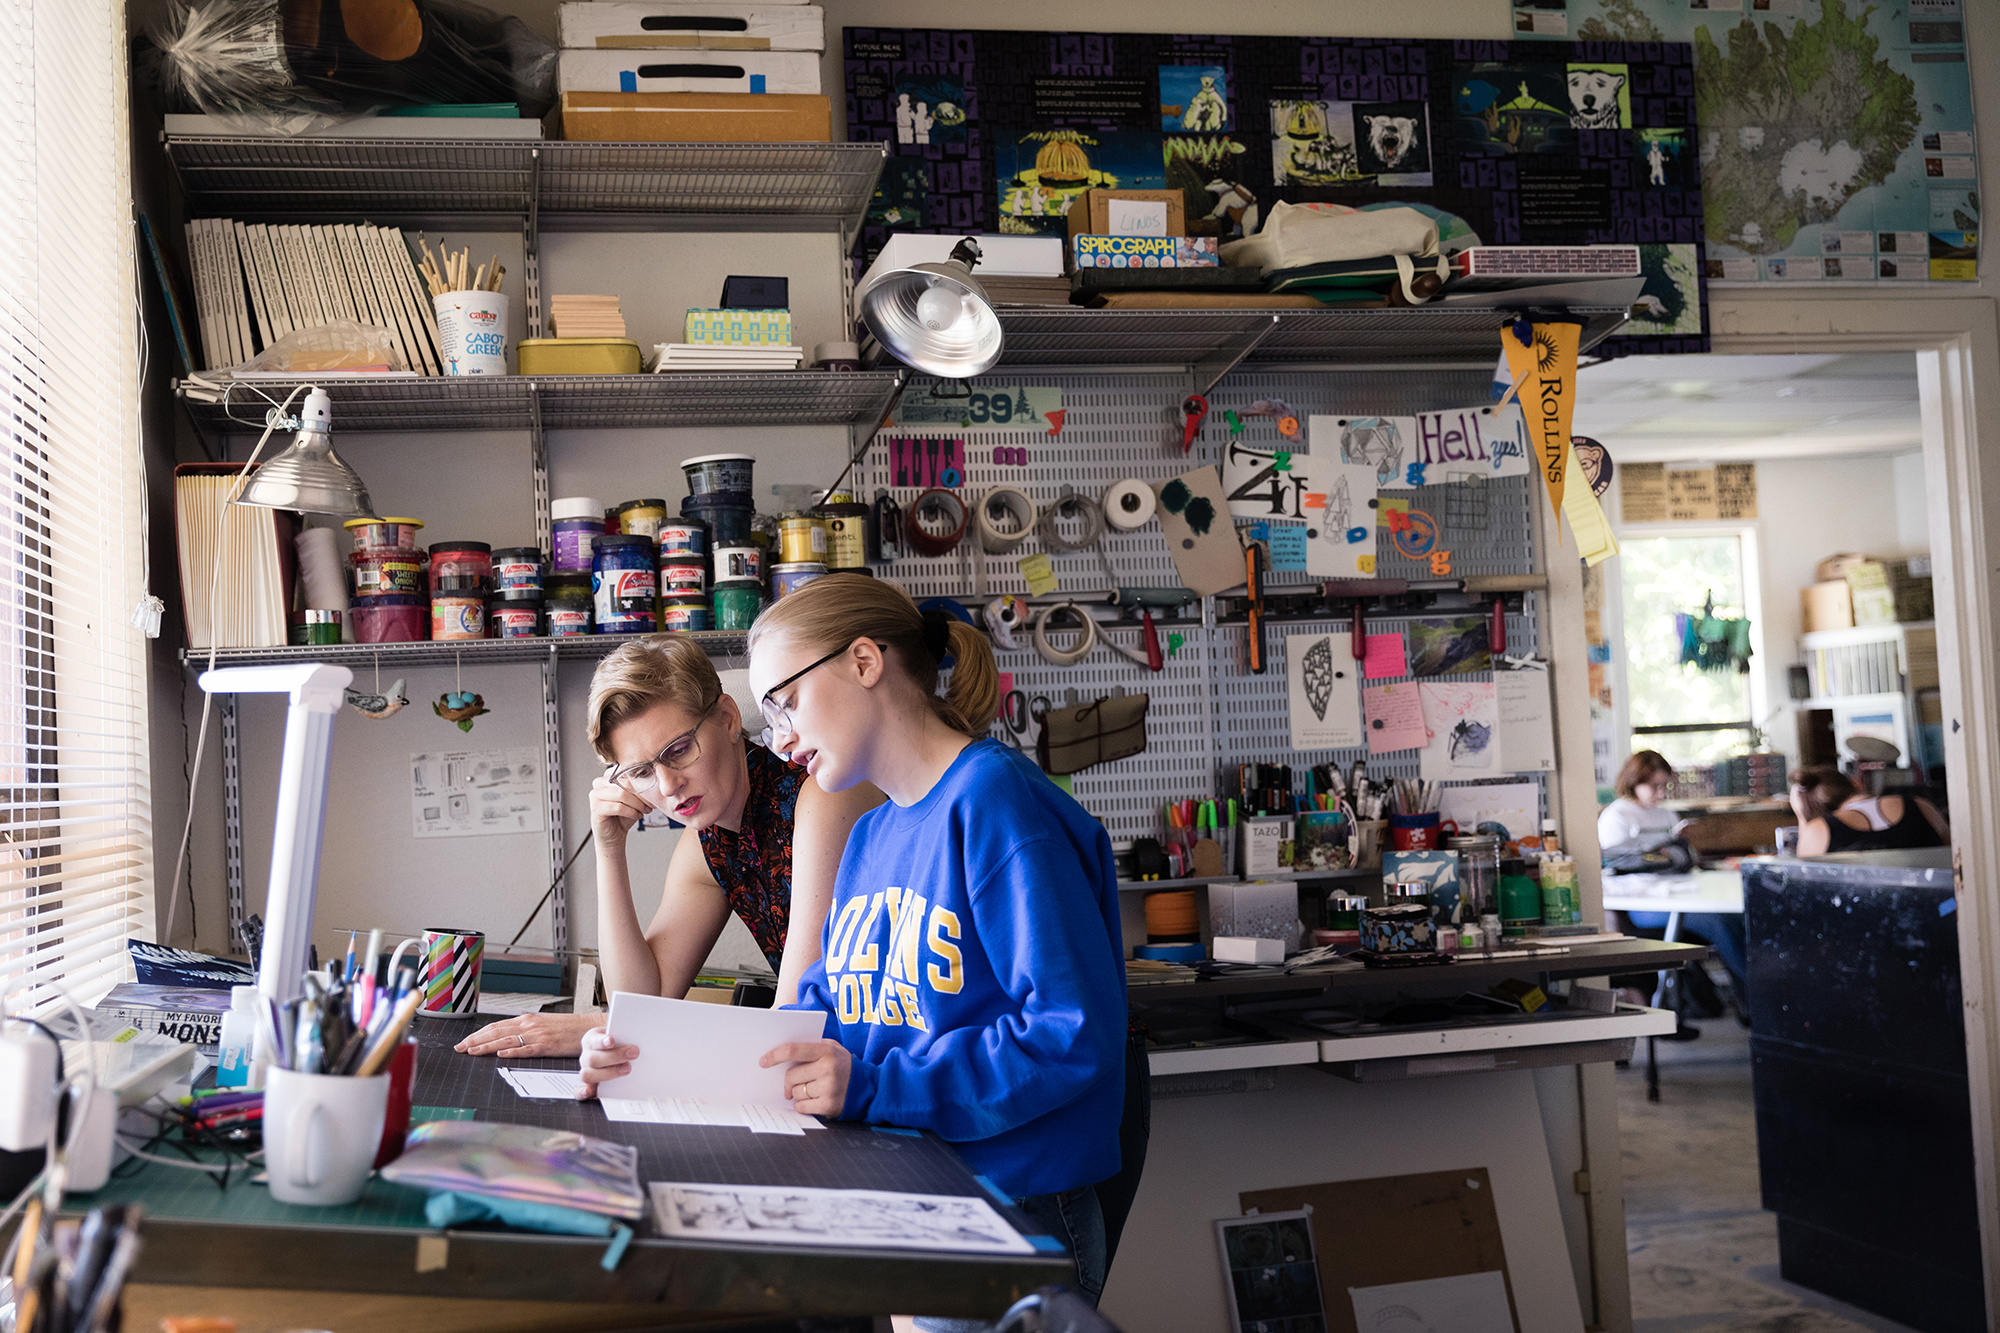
{"points": [[341, 1059], [471, 312], [1196, 840]]}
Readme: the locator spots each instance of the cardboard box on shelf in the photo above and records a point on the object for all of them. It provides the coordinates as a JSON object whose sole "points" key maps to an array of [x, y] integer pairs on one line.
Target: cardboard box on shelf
{"points": [[1920, 657], [1874, 603], [1143, 251], [693, 118], [766, 72], [677, 25], [1910, 581], [1093, 213], [1836, 566], [1828, 605]]}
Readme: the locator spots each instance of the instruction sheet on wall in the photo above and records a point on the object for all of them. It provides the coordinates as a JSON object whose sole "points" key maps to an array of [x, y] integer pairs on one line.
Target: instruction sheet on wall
{"points": [[465, 793]]}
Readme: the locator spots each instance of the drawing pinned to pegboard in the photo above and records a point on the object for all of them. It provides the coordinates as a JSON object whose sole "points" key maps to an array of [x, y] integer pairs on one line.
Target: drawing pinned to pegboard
{"points": [[1467, 506]]}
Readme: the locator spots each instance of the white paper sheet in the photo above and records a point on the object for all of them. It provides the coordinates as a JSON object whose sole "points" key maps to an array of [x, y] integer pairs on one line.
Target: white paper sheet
{"points": [[1341, 518], [514, 1002], [554, 1084], [851, 1219], [704, 1052], [1471, 1303], [1323, 689], [465, 793], [1460, 718], [685, 1111], [1268, 483], [1527, 721], [1517, 805], [1386, 444]]}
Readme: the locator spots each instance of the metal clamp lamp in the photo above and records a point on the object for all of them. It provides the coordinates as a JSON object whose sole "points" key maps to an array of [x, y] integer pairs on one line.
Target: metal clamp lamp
{"points": [[307, 476], [934, 317]]}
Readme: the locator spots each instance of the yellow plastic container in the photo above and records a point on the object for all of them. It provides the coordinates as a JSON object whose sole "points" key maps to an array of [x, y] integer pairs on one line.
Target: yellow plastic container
{"points": [[578, 356]]}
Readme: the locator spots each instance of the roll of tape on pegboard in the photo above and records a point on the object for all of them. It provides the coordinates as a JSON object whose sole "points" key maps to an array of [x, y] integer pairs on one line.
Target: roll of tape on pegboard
{"points": [[1128, 505], [1005, 502], [936, 500]]}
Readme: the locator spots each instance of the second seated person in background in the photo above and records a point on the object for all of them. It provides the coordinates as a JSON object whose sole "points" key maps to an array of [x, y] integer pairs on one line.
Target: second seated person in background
{"points": [[973, 979], [1641, 785], [1835, 816], [767, 839]]}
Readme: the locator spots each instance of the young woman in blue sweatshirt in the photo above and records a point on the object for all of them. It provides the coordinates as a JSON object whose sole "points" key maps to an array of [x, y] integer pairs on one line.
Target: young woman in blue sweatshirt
{"points": [[973, 970]]}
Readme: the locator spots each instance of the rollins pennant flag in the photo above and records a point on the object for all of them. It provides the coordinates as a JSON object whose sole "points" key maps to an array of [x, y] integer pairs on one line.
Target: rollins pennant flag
{"points": [[1544, 368]]}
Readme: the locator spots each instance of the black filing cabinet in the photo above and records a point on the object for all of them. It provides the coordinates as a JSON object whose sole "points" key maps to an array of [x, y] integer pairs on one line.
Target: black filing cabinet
{"points": [[1864, 1120]]}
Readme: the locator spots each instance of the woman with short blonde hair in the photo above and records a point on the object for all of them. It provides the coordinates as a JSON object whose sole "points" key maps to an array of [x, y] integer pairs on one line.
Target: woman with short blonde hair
{"points": [[767, 840]]}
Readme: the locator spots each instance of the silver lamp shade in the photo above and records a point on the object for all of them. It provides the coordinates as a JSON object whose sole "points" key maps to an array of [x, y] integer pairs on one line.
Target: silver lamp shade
{"points": [[934, 317], [309, 476]]}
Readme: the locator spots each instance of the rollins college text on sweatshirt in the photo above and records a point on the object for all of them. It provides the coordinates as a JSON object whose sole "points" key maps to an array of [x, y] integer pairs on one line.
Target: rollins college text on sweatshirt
{"points": [[974, 967]]}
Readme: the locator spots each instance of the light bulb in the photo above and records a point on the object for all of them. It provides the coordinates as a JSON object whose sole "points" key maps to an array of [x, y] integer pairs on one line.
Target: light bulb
{"points": [[939, 308]]}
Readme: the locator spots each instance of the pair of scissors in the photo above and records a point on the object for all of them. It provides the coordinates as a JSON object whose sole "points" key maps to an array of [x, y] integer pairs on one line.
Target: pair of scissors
{"points": [[1021, 714]]}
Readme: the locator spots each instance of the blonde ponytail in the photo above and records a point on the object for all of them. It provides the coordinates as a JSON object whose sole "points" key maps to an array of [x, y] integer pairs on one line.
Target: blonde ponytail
{"points": [[840, 608]]}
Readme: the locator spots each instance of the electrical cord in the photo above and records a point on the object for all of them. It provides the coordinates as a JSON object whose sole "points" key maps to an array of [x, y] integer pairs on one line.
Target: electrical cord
{"points": [[560, 876]]}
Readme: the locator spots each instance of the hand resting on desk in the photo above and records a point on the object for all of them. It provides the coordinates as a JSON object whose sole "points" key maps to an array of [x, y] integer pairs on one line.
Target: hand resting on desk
{"points": [[538, 1035]]}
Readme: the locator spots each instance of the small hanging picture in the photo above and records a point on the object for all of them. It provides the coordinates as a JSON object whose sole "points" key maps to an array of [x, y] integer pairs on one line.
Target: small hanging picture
{"points": [[1341, 521], [1323, 692]]}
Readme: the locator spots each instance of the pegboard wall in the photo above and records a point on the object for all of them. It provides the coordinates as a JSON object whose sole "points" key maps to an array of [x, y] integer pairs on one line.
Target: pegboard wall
{"points": [[1207, 713]]}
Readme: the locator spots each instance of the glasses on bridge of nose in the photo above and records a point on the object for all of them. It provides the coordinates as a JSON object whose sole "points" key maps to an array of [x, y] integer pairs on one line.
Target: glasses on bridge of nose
{"points": [[676, 754], [777, 716]]}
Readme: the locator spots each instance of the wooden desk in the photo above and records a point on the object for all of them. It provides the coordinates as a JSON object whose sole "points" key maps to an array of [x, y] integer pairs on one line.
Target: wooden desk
{"points": [[199, 1236]]}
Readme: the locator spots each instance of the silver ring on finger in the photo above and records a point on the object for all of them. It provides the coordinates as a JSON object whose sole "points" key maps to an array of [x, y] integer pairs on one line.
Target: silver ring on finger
{"points": [[520, 1038]]}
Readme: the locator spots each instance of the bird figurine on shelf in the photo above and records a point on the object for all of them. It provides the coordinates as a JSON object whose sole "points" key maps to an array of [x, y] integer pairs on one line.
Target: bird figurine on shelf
{"points": [[378, 706], [460, 707]]}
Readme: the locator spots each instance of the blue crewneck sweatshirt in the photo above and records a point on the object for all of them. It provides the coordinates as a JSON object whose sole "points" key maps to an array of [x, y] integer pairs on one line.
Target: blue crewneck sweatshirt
{"points": [[973, 965]]}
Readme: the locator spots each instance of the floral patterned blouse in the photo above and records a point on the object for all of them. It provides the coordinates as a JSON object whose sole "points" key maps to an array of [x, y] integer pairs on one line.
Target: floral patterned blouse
{"points": [[754, 863]]}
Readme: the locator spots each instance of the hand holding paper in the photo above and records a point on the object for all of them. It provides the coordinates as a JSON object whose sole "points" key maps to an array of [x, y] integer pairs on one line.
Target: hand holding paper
{"points": [[700, 1053]]}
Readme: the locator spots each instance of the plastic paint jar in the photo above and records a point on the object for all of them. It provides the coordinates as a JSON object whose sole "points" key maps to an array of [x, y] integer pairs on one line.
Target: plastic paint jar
{"points": [[516, 620], [624, 589], [576, 523], [846, 535], [682, 536], [683, 577], [316, 627], [458, 617], [787, 579], [387, 572], [720, 474], [391, 618], [641, 518], [739, 564], [384, 534], [568, 604], [680, 615], [737, 604], [727, 517], [517, 573], [461, 567], [802, 540]]}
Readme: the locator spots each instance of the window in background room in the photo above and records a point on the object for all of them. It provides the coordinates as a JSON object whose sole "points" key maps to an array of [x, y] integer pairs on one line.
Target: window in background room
{"points": [[76, 856], [1687, 713]]}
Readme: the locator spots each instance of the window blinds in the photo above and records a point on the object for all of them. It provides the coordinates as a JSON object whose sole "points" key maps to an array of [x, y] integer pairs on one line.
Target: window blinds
{"points": [[76, 874]]}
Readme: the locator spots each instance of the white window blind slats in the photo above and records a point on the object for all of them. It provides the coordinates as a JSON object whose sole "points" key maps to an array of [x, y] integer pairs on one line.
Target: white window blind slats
{"points": [[76, 873]]}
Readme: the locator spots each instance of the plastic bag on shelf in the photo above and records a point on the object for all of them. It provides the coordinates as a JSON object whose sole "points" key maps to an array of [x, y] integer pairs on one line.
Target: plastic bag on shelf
{"points": [[295, 66], [341, 345]]}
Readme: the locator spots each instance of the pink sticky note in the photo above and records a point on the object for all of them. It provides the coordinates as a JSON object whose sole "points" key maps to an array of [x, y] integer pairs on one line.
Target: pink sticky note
{"points": [[1395, 717], [1385, 657], [1006, 682]]}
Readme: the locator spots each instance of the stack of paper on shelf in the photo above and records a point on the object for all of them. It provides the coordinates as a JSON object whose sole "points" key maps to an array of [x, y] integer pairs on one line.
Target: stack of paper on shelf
{"points": [[585, 317], [247, 552], [692, 356], [255, 284]]}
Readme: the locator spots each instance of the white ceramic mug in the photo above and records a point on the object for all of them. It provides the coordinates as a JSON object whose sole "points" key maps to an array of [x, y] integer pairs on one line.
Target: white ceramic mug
{"points": [[320, 1134]]}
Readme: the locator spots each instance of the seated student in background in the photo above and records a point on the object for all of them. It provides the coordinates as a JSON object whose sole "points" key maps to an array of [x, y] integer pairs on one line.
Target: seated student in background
{"points": [[1835, 816], [973, 976], [1641, 785], [765, 841]]}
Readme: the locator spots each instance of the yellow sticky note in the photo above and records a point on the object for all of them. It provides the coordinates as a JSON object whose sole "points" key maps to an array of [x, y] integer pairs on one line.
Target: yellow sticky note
{"points": [[1587, 524], [1035, 569], [1387, 505]]}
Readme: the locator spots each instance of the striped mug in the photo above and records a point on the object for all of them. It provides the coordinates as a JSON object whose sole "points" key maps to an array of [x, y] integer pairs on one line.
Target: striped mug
{"points": [[451, 971]]}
